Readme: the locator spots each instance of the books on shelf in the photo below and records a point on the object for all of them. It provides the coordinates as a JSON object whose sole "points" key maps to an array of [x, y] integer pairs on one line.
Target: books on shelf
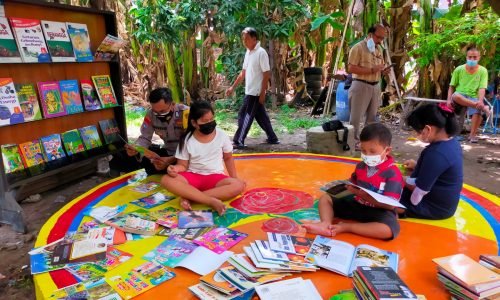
{"points": [[105, 90], [90, 100], [11, 157], [9, 53], [50, 98], [58, 41], [108, 48], [70, 93], [343, 258], [28, 100], [296, 288], [30, 40], [195, 218], [90, 137], [72, 142], [110, 131], [10, 109], [80, 40], [32, 153], [380, 283], [53, 147]]}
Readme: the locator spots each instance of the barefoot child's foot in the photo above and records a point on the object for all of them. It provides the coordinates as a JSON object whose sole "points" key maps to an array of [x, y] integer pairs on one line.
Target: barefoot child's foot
{"points": [[185, 204], [318, 228], [219, 206], [338, 228], [308, 221]]}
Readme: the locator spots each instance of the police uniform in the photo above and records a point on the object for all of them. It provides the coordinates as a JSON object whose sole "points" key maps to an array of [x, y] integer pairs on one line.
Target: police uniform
{"points": [[170, 131]]}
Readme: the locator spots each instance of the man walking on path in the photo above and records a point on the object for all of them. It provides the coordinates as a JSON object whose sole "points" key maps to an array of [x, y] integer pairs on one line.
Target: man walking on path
{"points": [[366, 63], [256, 72], [467, 88]]}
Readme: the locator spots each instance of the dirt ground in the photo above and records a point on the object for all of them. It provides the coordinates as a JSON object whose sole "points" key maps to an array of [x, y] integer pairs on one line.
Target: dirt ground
{"points": [[481, 169]]}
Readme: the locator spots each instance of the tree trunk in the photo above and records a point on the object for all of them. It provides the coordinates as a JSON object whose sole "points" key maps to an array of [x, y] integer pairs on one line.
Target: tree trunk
{"points": [[400, 23], [204, 69], [274, 73], [424, 80], [173, 73]]}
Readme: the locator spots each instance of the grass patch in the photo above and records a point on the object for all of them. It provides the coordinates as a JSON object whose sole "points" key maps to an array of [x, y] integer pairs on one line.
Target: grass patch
{"points": [[289, 120]]}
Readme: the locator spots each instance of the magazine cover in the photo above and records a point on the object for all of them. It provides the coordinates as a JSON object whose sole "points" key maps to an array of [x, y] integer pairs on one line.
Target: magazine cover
{"points": [[99, 289], [10, 109], [28, 100], [32, 154], [90, 100], [110, 131], [58, 41], [30, 41], [171, 252], [8, 47], [11, 157], [146, 187], [105, 90], [70, 93], [90, 137], [53, 147], [186, 233], [165, 217], [50, 97], [153, 200], [140, 279], [220, 239], [109, 47], [72, 142], [195, 219], [80, 40]]}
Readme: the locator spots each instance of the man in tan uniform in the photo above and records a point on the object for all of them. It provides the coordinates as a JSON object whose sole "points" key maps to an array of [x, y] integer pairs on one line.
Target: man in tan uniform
{"points": [[366, 63]]}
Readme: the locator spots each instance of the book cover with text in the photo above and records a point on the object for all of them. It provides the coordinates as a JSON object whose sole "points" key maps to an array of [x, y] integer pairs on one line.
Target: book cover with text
{"points": [[32, 153], [8, 47], [90, 100], [80, 40], [30, 40], [58, 41], [70, 93], [10, 109], [28, 99], [53, 147], [50, 98], [11, 157], [90, 137], [105, 90], [72, 142]]}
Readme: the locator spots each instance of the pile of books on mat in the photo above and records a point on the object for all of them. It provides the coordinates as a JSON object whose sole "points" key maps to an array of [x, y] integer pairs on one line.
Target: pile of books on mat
{"points": [[380, 283], [465, 278], [263, 262]]}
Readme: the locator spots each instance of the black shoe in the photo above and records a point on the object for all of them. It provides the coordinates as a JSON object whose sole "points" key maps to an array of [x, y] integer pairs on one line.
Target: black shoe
{"points": [[276, 142], [239, 146]]}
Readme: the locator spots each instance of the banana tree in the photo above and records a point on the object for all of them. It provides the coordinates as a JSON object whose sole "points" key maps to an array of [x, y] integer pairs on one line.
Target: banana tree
{"points": [[321, 22]]}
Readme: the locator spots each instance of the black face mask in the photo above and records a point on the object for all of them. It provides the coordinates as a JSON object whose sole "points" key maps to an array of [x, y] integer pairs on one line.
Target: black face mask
{"points": [[165, 117], [208, 128]]}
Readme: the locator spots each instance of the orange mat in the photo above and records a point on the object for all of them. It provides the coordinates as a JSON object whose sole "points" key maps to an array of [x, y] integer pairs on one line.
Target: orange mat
{"points": [[474, 229]]}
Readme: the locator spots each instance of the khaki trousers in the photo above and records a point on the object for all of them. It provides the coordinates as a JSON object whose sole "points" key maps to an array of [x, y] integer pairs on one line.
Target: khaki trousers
{"points": [[364, 101]]}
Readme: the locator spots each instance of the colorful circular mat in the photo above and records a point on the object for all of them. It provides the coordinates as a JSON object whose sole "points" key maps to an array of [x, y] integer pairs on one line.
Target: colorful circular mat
{"points": [[282, 189]]}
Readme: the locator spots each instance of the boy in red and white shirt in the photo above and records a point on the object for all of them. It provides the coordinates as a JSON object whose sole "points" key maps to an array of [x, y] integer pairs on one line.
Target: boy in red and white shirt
{"points": [[376, 172]]}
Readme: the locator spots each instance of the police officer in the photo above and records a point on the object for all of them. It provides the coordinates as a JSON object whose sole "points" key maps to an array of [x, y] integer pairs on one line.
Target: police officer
{"points": [[168, 120]]}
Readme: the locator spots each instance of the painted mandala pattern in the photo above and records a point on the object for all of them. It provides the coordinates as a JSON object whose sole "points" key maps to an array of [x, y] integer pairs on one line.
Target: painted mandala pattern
{"points": [[272, 200]]}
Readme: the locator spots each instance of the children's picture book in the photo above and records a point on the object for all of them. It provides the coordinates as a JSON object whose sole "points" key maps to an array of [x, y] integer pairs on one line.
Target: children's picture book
{"points": [[165, 217], [343, 258], [382, 282], [140, 279], [30, 40], [99, 289], [109, 47], [50, 97], [75, 291], [154, 200], [28, 99], [70, 93], [11, 157], [146, 187], [284, 289], [9, 52], [58, 41], [133, 224], [90, 100], [179, 252], [105, 213], [338, 189], [142, 150], [289, 243], [186, 233], [195, 218], [105, 90], [53, 147], [220, 239], [491, 262], [32, 153], [110, 131], [90, 137], [80, 40], [72, 142], [10, 109], [216, 281]]}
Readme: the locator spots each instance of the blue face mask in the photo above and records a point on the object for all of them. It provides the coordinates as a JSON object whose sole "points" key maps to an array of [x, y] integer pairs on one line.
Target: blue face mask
{"points": [[371, 45], [471, 63]]}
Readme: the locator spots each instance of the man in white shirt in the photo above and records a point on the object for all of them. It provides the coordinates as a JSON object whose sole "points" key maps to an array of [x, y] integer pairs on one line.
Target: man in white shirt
{"points": [[256, 72]]}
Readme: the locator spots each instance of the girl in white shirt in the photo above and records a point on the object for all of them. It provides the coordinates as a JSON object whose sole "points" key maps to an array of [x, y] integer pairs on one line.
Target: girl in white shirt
{"points": [[203, 151]]}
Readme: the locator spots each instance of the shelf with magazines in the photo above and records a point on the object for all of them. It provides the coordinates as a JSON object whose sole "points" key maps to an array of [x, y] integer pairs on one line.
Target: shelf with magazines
{"points": [[47, 138]]}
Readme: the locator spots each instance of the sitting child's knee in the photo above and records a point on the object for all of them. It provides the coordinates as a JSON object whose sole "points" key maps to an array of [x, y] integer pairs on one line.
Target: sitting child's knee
{"points": [[239, 186]]}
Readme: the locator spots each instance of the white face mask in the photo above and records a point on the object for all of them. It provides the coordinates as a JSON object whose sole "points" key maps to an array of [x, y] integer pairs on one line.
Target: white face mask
{"points": [[371, 45], [372, 160]]}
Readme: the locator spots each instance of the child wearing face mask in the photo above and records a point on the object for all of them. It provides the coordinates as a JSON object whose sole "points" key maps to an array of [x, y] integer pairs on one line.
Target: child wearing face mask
{"points": [[433, 189], [198, 176], [376, 172]]}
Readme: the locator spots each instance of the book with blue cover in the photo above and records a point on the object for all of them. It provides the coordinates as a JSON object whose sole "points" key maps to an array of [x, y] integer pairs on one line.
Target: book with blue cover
{"points": [[80, 41], [90, 137], [52, 146], [195, 219], [70, 93]]}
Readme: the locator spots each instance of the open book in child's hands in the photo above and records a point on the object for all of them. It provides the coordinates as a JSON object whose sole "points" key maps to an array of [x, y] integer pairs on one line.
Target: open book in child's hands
{"points": [[338, 189], [142, 150]]}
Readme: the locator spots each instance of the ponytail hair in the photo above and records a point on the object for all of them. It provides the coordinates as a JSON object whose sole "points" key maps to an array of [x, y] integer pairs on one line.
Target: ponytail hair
{"points": [[438, 115], [197, 110]]}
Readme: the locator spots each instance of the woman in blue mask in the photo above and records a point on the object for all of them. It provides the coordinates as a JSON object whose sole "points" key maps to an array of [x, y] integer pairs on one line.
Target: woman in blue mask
{"points": [[467, 89], [198, 175]]}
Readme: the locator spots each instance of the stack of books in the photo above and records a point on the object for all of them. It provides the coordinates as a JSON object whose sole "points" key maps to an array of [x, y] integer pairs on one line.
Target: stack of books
{"points": [[465, 278], [380, 283], [491, 262]]}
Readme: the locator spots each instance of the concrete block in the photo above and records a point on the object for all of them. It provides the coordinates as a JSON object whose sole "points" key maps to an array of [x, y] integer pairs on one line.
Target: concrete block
{"points": [[325, 142]]}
